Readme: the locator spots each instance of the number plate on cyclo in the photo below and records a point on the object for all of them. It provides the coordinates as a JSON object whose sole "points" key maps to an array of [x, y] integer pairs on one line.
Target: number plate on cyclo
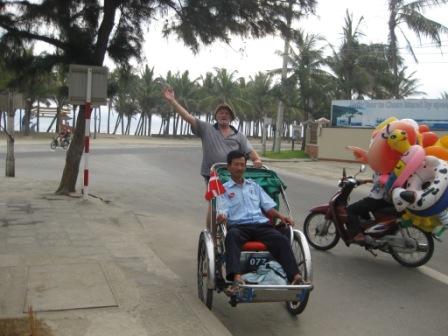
{"points": [[252, 261]]}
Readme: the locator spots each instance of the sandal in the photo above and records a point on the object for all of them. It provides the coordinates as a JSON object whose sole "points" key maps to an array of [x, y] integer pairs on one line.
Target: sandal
{"points": [[234, 287], [298, 281]]}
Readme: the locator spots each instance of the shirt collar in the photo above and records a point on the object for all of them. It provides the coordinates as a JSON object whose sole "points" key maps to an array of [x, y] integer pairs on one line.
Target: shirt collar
{"points": [[233, 183], [235, 131]]}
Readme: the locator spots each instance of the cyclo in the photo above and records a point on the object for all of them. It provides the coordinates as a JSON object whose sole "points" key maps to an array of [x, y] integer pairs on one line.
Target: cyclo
{"points": [[211, 271]]}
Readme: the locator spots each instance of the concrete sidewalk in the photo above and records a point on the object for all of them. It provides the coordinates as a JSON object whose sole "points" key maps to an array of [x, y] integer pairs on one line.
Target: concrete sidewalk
{"points": [[86, 268]]}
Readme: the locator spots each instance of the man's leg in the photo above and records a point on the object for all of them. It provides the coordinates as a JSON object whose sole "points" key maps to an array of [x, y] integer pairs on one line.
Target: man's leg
{"points": [[354, 211], [361, 208], [235, 238], [280, 248]]}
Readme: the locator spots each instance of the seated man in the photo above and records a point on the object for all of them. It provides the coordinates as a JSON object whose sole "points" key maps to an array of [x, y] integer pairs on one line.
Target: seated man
{"points": [[373, 202], [241, 206]]}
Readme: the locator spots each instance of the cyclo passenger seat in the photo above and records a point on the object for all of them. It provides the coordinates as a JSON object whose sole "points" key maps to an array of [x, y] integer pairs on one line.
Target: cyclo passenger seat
{"points": [[254, 246]]}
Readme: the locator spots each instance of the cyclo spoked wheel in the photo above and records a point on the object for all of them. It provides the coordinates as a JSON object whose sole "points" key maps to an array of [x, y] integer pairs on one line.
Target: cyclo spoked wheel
{"points": [[320, 232], [205, 294], [297, 307], [420, 250]]}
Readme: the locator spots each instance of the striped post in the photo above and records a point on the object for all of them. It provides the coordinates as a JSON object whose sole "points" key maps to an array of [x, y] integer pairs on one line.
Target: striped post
{"points": [[88, 112]]}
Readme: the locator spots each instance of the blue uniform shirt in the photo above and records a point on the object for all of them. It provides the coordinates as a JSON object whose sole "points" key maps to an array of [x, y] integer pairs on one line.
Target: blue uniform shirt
{"points": [[242, 203]]}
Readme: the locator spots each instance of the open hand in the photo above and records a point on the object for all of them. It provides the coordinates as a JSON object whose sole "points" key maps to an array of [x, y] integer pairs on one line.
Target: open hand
{"points": [[221, 218], [287, 220], [168, 93], [257, 163]]}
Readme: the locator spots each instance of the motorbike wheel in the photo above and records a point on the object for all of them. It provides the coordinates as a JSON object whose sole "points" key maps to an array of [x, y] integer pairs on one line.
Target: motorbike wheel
{"points": [[419, 253], [53, 144], [205, 294], [65, 144], [297, 307], [320, 232]]}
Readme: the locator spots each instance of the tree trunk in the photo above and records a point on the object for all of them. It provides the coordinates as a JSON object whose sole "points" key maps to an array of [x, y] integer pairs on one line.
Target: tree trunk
{"points": [[99, 119], [27, 117], [139, 127], [149, 124], [281, 107], [38, 116], [73, 157], [51, 124], [10, 167], [117, 123], [161, 126], [74, 153], [109, 106], [74, 115], [128, 125], [20, 120], [94, 122]]}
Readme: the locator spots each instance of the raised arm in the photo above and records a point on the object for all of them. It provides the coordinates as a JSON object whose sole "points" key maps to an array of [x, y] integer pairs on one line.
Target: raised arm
{"points": [[168, 93]]}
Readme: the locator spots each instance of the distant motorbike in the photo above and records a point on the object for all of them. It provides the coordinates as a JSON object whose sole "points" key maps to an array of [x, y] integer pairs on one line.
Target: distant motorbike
{"points": [[63, 142], [386, 231]]}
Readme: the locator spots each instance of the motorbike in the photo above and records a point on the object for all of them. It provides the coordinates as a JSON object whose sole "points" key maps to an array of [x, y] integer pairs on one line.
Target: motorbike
{"points": [[63, 142], [325, 225]]}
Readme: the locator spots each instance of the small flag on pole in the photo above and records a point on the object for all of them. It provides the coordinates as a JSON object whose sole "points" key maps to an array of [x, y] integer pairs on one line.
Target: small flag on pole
{"points": [[215, 187]]}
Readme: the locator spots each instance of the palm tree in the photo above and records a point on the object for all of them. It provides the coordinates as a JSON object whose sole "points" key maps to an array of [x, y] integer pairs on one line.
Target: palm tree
{"points": [[148, 95], [58, 90], [444, 95], [410, 14], [352, 77], [187, 94], [261, 98], [226, 88], [305, 63], [125, 102]]}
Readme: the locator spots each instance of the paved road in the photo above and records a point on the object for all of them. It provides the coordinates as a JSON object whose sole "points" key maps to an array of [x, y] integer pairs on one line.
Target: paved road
{"points": [[355, 293]]}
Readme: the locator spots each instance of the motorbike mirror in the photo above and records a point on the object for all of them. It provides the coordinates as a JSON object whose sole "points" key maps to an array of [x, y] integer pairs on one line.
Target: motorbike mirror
{"points": [[344, 173], [362, 168]]}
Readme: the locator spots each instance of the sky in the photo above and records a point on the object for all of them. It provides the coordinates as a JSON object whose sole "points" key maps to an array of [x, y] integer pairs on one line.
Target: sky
{"points": [[250, 56]]}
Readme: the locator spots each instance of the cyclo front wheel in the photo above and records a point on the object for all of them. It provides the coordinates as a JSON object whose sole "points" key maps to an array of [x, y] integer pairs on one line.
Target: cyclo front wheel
{"points": [[320, 232], [297, 307], [418, 250], [205, 294]]}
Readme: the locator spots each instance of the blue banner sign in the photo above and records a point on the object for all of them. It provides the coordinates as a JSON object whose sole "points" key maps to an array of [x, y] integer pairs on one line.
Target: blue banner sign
{"points": [[369, 113]]}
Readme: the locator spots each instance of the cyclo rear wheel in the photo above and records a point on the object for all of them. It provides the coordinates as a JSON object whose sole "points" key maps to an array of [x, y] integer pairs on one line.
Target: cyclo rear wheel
{"points": [[205, 294]]}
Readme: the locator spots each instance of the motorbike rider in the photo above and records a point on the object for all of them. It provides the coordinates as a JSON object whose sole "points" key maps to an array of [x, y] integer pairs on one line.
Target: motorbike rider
{"points": [[377, 199], [64, 134]]}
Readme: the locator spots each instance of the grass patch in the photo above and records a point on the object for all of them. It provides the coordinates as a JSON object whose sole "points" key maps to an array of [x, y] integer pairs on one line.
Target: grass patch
{"points": [[287, 154]]}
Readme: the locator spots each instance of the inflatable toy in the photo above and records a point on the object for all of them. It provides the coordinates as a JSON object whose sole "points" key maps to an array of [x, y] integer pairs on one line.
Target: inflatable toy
{"points": [[380, 156], [425, 196], [411, 159]]}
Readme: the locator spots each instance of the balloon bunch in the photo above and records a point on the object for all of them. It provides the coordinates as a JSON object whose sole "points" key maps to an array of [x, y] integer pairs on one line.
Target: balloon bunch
{"points": [[412, 162]]}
